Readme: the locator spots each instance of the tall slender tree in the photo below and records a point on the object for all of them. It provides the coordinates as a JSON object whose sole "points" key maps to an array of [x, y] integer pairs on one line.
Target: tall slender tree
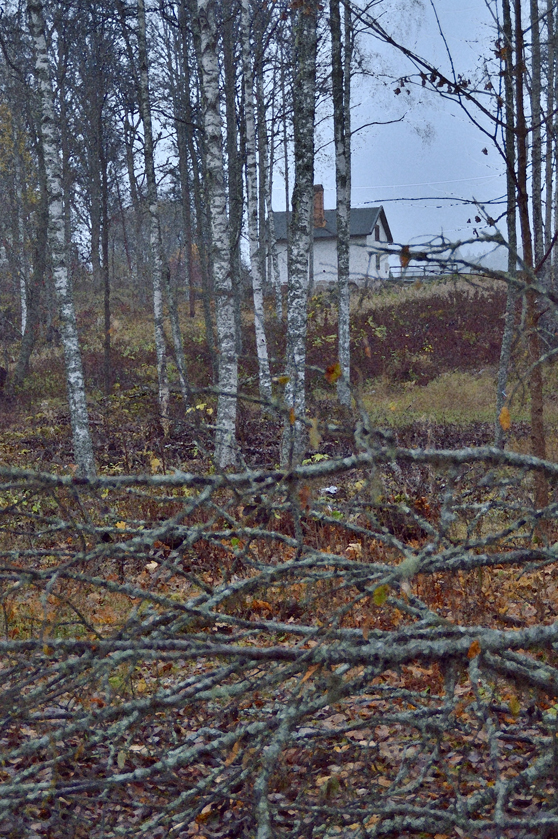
{"points": [[225, 442], [304, 28], [83, 446], [340, 84], [254, 238], [156, 250]]}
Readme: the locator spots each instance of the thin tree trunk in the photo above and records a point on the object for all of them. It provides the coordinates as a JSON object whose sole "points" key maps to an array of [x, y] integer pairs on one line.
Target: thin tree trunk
{"points": [[234, 164], [182, 137], [225, 442], [105, 273], [549, 120], [175, 64], [83, 447], [286, 157], [179, 356], [40, 249], [199, 179], [293, 443], [511, 301], [536, 147], [137, 208], [342, 137], [19, 232], [538, 443], [252, 209], [156, 250], [267, 161]]}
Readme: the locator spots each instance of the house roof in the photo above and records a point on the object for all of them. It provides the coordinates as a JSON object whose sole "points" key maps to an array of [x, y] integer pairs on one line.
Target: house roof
{"points": [[363, 221]]}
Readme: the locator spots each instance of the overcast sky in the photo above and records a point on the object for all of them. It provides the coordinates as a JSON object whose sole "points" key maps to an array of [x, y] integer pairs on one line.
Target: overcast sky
{"points": [[434, 154]]}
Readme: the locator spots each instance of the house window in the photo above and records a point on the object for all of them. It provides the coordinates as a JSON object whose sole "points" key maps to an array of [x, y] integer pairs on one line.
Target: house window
{"points": [[377, 233], [378, 262]]}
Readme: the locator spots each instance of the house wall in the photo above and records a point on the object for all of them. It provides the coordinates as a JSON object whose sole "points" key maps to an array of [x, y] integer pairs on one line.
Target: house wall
{"points": [[362, 259]]}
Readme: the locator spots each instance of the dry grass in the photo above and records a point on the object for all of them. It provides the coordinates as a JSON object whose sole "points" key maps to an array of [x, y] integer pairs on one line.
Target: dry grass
{"points": [[395, 293], [451, 398]]}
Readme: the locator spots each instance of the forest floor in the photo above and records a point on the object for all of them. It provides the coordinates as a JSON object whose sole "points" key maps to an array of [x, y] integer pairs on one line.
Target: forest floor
{"points": [[424, 363]]}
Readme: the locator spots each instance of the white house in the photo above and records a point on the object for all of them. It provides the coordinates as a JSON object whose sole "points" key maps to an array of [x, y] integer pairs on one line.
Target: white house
{"points": [[369, 231]]}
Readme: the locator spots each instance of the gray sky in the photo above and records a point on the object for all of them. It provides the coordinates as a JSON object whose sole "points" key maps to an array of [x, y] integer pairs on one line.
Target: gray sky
{"points": [[434, 152]]}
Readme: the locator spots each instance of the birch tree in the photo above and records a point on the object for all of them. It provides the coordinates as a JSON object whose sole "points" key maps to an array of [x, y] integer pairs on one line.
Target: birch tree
{"points": [[340, 84], [304, 27], [156, 249], [225, 441], [252, 208], [83, 447]]}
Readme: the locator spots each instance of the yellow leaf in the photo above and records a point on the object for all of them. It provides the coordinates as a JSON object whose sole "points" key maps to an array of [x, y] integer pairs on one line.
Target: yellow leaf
{"points": [[380, 595], [333, 372], [121, 525], [315, 438], [155, 463], [505, 419], [292, 416], [233, 753], [474, 649], [283, 380], [514, 705]]}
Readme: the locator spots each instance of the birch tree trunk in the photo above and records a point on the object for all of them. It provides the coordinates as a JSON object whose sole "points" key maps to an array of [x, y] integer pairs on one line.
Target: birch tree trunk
{"points": [[342, 137], [225, 441], [304, 87], [83, 447], [267, 162], [156, 249], [511, 212], [252, 208], [235, 157]]}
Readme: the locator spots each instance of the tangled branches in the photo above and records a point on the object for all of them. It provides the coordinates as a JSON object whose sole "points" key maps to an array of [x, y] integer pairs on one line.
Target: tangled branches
{"points": [[359, 647]]}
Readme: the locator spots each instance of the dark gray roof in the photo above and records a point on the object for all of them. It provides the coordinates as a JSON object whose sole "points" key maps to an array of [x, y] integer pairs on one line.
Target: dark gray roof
{"points": [[363, 221]]}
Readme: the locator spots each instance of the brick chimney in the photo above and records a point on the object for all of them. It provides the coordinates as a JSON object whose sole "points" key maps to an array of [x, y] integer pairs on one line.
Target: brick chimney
{"points": [[319, 217]]}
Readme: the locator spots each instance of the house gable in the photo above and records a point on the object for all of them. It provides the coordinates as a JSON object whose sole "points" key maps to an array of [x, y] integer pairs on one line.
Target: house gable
{"points": [[369, 230]]}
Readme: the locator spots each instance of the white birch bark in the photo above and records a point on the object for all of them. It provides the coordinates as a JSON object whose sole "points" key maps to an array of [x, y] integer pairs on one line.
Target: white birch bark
{"points": [[225, 441], [267, 157], [252, 208], [342, 138], [83, 447], [304, 86], [156, 245]]}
